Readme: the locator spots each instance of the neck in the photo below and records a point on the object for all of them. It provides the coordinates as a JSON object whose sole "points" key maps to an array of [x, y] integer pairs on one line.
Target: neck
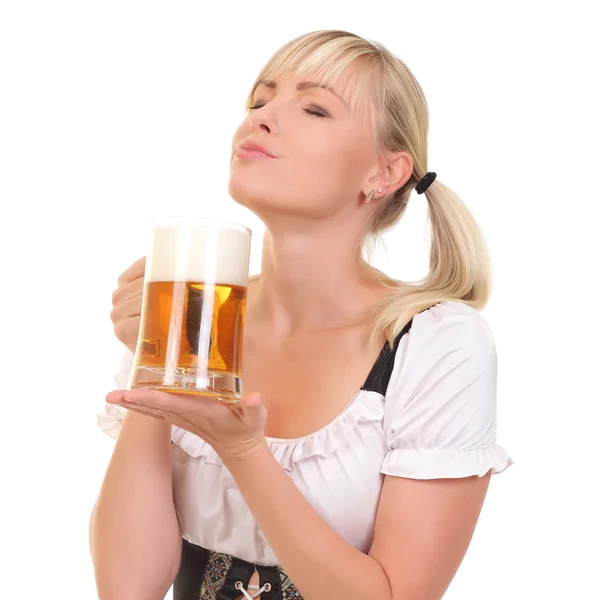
{"points": [[310, 281]]}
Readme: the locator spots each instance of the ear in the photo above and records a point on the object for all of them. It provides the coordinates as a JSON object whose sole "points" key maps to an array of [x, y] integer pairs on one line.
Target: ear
{"points": [[395, 169]]}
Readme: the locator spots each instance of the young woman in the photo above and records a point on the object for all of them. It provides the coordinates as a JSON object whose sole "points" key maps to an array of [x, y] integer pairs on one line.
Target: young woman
{"points": [[357, 465]]}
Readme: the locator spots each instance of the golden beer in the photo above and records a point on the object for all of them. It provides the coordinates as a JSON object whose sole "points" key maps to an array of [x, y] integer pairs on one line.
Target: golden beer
{"points": [[193, 311]]}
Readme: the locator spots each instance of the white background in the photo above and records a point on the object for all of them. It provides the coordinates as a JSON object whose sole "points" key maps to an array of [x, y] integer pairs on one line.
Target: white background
{"points": [[115, 112]]}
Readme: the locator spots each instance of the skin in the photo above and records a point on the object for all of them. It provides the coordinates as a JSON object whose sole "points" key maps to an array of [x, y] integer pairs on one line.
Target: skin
{"points": [[311, 199], [307, 313]]}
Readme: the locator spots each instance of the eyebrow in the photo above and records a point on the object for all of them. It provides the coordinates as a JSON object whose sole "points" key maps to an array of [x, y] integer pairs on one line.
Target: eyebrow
{"points": [[302, 85]]}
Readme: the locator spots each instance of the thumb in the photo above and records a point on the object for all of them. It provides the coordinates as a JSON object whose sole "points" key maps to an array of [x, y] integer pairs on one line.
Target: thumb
{"points": [[253, 400], [254, 408]]}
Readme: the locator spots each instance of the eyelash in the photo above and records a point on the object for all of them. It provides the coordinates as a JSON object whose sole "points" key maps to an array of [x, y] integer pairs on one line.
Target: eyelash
{"points": [[306, 110]]}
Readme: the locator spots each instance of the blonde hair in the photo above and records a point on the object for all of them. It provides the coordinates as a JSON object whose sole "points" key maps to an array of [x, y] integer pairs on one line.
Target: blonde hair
{"points": [[459, 263]]}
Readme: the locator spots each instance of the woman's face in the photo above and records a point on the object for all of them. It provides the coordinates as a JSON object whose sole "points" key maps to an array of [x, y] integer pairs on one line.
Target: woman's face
{"points": [[323, 156]]}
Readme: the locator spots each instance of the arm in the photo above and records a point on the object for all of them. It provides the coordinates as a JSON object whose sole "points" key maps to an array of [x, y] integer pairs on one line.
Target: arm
{"points": [[135, 539], [440, 425], [423, 530]]}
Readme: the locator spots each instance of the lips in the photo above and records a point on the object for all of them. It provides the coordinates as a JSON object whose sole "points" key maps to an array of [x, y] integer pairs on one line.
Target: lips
{"points": [[250, 149]]}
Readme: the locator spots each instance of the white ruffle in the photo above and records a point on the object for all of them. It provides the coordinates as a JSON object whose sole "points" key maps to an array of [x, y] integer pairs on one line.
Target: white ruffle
{"points": [[365, 407], [195, 446], [111, 419], [436, 464], [341, 432]]}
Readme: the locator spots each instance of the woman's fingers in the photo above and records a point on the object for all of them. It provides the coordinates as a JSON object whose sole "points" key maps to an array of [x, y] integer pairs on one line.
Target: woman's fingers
{"points": [[126, 308], [137, 269], [127, 291], [145, 412], [118, 397], [127, 331]]}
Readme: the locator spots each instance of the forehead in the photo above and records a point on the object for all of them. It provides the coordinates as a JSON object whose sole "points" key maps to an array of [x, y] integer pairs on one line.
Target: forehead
{"points": [[350, 82], [341, 85]]}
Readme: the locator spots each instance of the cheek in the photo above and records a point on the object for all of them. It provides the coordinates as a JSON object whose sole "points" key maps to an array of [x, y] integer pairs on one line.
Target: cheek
{"points": [[319, 155], [320, 171], [334, 167]]}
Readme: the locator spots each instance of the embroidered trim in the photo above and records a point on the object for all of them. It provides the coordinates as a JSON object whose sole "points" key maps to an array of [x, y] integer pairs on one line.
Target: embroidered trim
{"points": [[217, 567], [288, 590]]}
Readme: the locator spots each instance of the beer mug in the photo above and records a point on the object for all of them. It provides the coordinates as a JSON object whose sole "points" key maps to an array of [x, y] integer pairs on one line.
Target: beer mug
{"points": [[193, 309]]}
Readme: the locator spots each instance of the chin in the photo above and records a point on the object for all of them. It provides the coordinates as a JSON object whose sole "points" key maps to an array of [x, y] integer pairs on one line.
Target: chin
{"points": [[256, 198], [248, 193], [264, 197]]}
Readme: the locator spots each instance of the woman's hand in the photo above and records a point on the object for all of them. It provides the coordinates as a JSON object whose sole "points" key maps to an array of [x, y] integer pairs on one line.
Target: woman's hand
{"points": [[233, 430], [127, 303]]}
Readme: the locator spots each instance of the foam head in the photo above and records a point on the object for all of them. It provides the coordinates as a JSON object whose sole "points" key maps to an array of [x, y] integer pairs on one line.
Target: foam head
{"points": [[202, 252]]}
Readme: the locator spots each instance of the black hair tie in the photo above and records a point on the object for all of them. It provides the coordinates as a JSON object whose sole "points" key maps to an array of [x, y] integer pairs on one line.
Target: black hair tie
{"points": [[425, 182]]}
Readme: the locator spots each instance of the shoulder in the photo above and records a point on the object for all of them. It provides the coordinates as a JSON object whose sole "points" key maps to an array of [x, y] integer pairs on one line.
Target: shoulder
{"points": [[447, 348], [440, 404], [450, 324], [433, 339]]}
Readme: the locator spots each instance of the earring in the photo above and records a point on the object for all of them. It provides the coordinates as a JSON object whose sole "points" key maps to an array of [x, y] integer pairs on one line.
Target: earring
{"points": [[370, 196]]}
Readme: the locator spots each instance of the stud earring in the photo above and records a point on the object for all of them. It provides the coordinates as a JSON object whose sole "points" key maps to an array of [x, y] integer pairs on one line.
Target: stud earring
{"points": [[370, 196]]}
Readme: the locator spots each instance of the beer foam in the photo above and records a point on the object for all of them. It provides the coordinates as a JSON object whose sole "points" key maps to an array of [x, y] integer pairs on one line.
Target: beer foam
{"points": [[198, 252]]}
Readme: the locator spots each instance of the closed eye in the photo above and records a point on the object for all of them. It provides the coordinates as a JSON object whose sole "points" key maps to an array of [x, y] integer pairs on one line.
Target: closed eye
{"points": [[317, 112]]}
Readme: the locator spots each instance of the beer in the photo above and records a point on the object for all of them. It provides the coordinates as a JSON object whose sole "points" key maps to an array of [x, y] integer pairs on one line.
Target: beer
{"points": [[193, 310]]}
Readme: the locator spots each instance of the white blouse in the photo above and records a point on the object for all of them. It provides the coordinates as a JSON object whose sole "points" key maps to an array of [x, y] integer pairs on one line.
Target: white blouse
{"points": [[437, 419]]}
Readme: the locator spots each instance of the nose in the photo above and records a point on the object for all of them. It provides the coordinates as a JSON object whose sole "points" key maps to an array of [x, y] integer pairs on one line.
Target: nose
{"points": [[261, 120]]}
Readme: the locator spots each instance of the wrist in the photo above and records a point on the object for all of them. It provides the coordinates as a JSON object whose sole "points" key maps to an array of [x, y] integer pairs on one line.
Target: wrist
{"points": [[244, 452], [139, 422]]}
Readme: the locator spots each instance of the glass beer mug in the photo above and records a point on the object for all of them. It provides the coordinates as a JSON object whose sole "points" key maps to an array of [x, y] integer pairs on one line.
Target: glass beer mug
{"points": [[193, 309]]}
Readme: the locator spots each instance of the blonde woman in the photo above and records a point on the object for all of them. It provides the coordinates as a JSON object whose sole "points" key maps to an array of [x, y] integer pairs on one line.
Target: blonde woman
{"points": [[357, 466]]}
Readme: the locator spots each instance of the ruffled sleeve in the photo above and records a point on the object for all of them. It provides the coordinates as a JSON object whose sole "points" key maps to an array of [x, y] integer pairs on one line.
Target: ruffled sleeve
{"points": [[440, 405], [111, 417]]}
